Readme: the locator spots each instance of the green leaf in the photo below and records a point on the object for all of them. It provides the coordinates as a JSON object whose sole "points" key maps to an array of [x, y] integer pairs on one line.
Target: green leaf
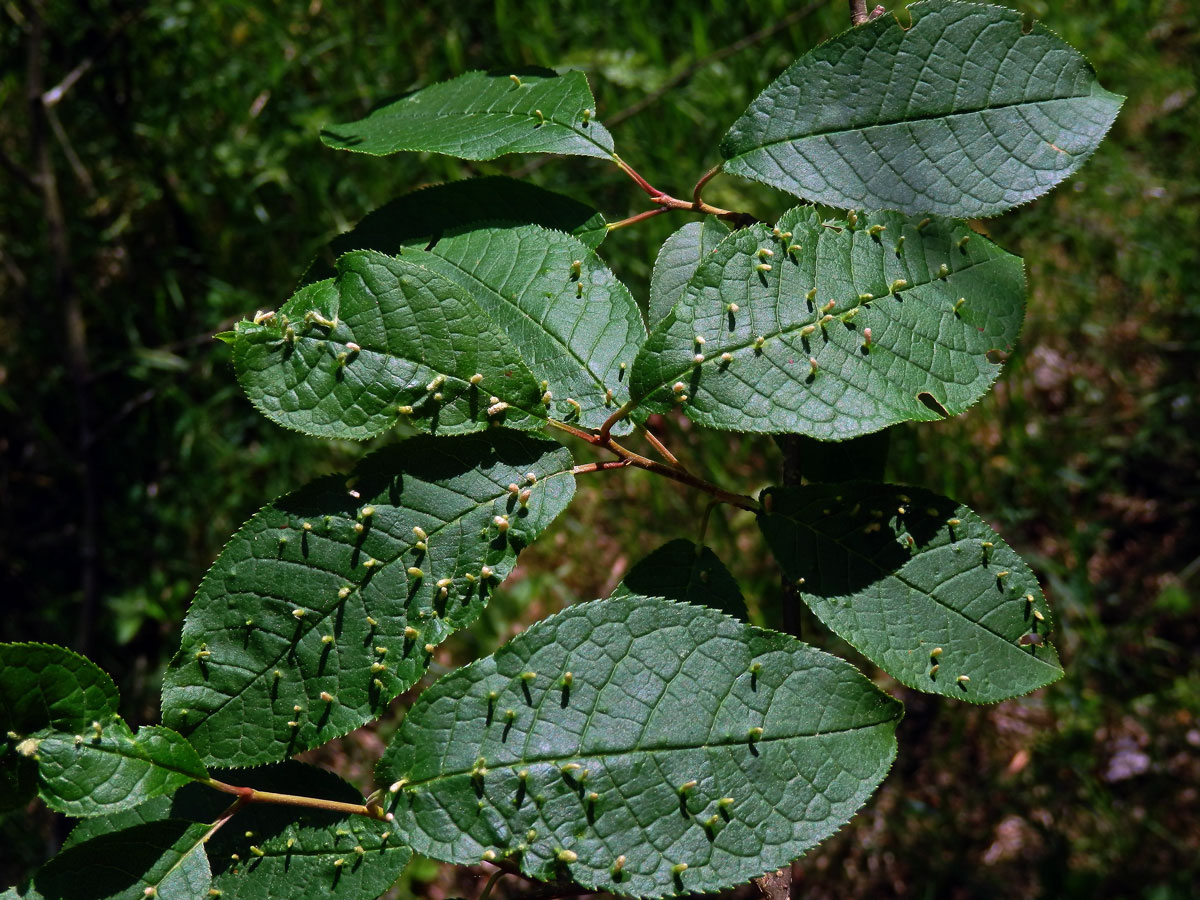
{"points": [[681, 570], [164, 860], [384, 341], [275, 852], [482, 115], [630, 760], [108, 768], [937, 297], [44, 686], [678, 259], [289, 616], [913, 580], [573, 325], [419, 219], [64, 739], [961, 114]]}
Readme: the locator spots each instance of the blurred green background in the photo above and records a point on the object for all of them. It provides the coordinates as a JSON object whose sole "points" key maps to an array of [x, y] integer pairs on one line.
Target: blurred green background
{"points": [[181, 141]]}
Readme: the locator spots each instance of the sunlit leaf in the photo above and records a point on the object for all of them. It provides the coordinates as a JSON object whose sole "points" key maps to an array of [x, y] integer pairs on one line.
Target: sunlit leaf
{"points": [[385, 341], [482, 115], [328, 602], [960, 113], [616, 775], [772, 332], [918, 584]]}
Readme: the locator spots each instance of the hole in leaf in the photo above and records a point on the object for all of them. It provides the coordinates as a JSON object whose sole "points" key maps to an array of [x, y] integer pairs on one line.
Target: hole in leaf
{"points": [[928, 400]]}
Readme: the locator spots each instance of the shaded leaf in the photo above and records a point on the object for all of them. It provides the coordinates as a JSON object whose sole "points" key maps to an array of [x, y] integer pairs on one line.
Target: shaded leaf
{"points": [[419, 219], [927, 354], [165, 860], [482, 115], [961, 114], [64, 739], [681, 570], [42, 686], [289, 616], [630, 760], [908, 578], [678, 259], [385, 341], [574, 325], [305, 867]]}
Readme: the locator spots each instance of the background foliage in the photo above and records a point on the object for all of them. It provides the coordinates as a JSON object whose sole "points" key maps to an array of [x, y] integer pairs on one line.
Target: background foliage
{"points": [[193, 186]]}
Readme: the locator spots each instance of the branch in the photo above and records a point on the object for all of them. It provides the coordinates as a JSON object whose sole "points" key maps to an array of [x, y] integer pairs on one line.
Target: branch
{"points": [[858, 12], [666, 201], [629, 458]]}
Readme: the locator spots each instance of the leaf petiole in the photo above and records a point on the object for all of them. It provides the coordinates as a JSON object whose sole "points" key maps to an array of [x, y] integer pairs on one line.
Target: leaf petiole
{"points": [[251, 795]]}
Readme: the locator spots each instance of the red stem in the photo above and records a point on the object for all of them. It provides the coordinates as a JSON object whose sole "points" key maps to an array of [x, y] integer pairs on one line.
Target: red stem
{"points": [[648, 214], [627, 457]]}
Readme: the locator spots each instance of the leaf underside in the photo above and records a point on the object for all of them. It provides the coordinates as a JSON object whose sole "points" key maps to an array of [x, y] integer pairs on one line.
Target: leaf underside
{"points": [[384, 342], [419, 219], [270, 852], [927, 355], [682, 570], [290, 616], [482, 115], [617, 778], [961, 114], [907, 578], [574, 325]]}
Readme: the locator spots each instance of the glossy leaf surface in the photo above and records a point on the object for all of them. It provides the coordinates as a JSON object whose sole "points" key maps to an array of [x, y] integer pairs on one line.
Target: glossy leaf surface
{"points": [[615, 777], [298, 635], [482, 115], [386, 341], [961, 113], [786, 347], [105, 769], [917, 583]]}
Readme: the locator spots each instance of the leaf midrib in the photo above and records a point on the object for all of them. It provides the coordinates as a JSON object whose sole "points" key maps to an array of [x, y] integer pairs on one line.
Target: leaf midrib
{"points": [[62, 738], [556, 340], [421, 364], [712, 745], [857, 129], [512, 114], [677, 375]]}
